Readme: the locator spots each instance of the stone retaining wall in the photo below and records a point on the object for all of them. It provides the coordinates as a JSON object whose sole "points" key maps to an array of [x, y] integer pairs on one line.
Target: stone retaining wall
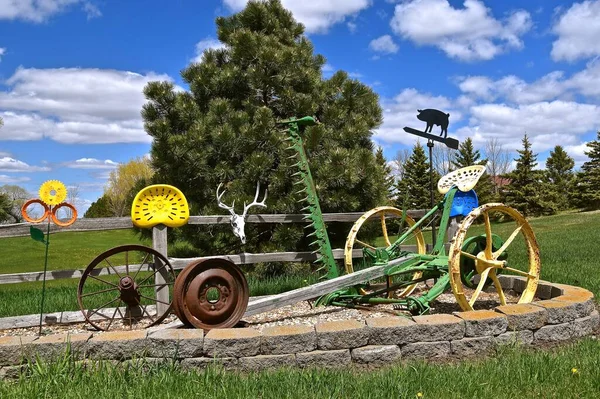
{"points": [[565, 312]]}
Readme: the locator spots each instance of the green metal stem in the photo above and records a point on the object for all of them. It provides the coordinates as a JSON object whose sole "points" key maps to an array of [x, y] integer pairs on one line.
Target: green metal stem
{"points": [[44, 279], [313, 207]]}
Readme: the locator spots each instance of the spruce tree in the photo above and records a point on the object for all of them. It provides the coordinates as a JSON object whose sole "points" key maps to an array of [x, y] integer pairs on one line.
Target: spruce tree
{"points": [[559, 174], [388, 181], [467, 156], [5, 207], [588, 183], [413, 189], [525, 191], [224, 130]]}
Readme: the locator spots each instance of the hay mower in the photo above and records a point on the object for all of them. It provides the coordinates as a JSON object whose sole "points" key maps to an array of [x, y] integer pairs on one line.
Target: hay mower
{"points": [[386, 259]]}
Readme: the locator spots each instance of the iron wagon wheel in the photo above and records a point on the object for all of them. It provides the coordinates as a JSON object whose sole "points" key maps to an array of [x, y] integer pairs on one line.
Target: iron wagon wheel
{"points": [[353, 242], [524, 262], [139, 290], [211, 293]]}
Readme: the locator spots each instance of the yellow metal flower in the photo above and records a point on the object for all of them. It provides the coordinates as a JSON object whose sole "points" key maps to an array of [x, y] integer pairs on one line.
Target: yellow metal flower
{"points": [[53, 192], [574, 371]]}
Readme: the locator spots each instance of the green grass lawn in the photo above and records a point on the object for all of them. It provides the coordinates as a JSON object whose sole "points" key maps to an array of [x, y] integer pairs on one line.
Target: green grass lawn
{"points": [[514, 372], [68, 250]]}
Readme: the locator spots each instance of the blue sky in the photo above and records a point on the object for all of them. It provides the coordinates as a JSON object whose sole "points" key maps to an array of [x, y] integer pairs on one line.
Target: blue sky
{"points": [[72, 73]]}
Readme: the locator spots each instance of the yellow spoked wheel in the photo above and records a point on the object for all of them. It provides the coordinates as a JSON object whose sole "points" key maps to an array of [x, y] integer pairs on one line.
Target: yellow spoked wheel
{"points": [[372, 226], [519, 255], [160, 204]]}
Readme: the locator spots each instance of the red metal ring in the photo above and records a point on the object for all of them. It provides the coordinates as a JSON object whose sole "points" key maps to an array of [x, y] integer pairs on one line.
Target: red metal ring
{"points": [[68, 222], [26, 215]]}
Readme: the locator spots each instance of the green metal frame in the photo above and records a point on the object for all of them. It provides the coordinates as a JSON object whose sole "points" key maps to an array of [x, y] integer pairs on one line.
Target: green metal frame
{"points": [[433, 265], [315, 216]]}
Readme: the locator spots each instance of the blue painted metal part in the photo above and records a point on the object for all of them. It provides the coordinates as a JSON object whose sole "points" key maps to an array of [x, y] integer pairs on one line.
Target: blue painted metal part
{"points": [[464, 203]]}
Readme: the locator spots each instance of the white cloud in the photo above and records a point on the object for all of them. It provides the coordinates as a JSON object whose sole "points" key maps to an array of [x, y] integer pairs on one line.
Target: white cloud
{"points": [[317, 16], [554, 85], [8, 164], [546, 123], [515, 89], [205, 44], [384, 44], [41, 10], [2, 52], [4, 179], [578, 30], [92, 163], [469, 33], [401, 111], [75, 105]]}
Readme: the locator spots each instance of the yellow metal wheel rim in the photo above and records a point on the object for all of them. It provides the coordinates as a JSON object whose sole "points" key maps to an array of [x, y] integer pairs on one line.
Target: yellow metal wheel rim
{"points": [[53, 192], [160, 204], [487, 262], [382, 211]]}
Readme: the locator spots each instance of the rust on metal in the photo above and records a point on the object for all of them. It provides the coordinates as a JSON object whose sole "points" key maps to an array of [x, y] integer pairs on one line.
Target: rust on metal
{"points": [[210, 293]]}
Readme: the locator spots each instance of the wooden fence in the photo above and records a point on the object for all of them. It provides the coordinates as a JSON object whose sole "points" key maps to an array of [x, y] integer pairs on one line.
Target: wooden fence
{"points": [[159, 241]]}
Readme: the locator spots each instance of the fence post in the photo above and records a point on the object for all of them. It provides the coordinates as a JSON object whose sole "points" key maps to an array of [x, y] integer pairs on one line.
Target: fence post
{"points": [[159, 243]]}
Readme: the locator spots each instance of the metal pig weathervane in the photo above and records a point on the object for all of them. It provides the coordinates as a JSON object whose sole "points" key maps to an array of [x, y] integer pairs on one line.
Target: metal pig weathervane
{"points": [[441, 119]]}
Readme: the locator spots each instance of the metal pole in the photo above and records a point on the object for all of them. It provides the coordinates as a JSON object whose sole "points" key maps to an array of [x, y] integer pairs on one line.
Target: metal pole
{"points": [[44, 281], [430, 146]]}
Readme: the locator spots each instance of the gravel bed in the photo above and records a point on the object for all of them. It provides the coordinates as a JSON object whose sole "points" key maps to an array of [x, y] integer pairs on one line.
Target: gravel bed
{"points": [[301, 313]]}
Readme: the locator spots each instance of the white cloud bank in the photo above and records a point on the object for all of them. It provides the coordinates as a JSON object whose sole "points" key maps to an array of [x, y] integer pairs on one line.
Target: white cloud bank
{"points": [[8, 164], [578, 30], [38, 11], [75, 105], [317, 16], [467, 34], [92, 163]]}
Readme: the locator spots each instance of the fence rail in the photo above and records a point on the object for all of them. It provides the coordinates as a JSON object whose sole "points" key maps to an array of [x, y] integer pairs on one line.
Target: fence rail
{"points": [[160, 239], [98, 224]]}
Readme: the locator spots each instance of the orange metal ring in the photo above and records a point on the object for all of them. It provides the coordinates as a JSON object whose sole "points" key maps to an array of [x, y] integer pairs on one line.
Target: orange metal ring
{"points": [[68, 222], [34, 201]]}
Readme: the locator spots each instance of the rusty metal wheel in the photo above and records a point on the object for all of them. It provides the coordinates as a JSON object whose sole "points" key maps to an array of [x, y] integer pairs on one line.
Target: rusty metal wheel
{"points": [[210, 293], [138, 292]]}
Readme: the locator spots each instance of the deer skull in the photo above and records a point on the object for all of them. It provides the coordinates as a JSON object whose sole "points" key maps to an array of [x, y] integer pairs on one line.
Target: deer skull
{"points": [[238, 222]]}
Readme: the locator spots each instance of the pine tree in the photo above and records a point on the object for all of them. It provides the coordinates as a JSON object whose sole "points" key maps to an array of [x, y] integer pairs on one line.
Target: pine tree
{"points": [[525, 191], [413, 189], [467, 156], [5, 207], [224, 130], [388, 181], [99, 208], [559, 173], [588, 183]]}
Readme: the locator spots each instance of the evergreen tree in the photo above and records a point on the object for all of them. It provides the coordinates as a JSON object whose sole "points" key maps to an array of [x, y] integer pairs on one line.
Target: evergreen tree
{"points": [[388, 181], [413, 189], [559, 174], [588, 183], [5, 207], [99, 209], [466, 156], [224, 130], [525, 191]]}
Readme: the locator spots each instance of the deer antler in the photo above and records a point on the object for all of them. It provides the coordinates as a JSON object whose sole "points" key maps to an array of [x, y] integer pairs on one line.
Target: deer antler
{"points": [[262, 203], [222, 205]]}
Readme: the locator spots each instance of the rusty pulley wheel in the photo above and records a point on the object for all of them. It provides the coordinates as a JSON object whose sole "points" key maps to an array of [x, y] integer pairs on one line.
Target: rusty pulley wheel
{"points": [[211, 293], [126, 286]]}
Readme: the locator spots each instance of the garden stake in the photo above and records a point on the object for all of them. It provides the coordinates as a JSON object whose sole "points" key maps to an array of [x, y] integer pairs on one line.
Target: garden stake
{"points": [[52, 194]]}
